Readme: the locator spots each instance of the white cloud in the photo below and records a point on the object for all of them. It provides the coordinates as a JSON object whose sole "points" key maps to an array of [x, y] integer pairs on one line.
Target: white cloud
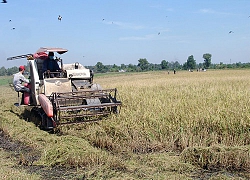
{"points": [[211, 11], [206, 11]]}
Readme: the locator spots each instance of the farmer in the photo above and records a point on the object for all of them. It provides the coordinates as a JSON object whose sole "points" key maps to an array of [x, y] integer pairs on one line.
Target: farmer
{"points": [[19, 79], [51, 65], [19, 87]]}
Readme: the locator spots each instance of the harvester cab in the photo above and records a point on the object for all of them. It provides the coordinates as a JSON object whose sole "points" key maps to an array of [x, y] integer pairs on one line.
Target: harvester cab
{"points": [[69, 97]]}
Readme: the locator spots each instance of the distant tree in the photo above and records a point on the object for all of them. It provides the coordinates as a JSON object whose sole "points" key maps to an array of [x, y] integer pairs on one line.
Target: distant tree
{"points": [[164, 64], [114, 68], [191, 63], [100, 67], [152, 67], [90, 67], [207, 60], [143, 64], [174, 65], [238, 64], [3, 71], [12, 70], [157, 67], [200, 65], [123, 66], [246, 65], [221, 66], [184, 66], [132, 68], [229, 66], [177, 65]]}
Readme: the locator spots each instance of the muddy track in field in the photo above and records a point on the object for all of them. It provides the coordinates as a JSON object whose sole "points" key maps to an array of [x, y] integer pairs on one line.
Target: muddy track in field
{"points": [[25, 157]]}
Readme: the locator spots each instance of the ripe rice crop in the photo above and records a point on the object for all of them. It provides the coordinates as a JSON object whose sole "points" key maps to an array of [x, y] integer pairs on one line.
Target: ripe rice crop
{"points": [[164, 112], [201, 109]]}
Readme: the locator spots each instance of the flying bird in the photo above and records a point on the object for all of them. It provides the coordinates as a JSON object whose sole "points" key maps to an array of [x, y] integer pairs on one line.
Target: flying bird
{"points": [[230, 31], [103, 19], [13, 28], [159, 33], [59, 18], [4, 1], [10, 20]]}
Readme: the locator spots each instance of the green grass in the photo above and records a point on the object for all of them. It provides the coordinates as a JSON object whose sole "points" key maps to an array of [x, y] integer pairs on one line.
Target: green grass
{"points": [[5, 80]]}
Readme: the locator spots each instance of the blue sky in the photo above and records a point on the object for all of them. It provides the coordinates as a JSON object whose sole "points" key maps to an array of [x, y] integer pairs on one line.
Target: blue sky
{"points": [[123, 31]]}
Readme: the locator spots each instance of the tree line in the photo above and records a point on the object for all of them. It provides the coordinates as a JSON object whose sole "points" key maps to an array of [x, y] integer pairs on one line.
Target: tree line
{"points": [[9, 71], [144, 65]]}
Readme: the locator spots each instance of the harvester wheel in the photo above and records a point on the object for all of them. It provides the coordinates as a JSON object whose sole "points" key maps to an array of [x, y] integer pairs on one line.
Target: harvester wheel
{"points": [[35, 118]]}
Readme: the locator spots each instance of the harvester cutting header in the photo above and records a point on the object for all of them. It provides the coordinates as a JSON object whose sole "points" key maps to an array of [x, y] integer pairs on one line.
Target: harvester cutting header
{"points": [[64, 94]]}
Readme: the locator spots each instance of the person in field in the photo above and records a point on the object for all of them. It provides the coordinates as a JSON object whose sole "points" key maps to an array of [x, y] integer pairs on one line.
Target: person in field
{"points": [[19, 79], [21, 84]]}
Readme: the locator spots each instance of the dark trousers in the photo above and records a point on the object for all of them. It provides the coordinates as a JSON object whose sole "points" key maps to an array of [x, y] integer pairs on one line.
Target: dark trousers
{"points": [[23, 90]]}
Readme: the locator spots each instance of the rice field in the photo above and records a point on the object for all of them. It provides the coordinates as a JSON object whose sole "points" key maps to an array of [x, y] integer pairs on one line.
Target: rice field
{"points": [[187, 125]]}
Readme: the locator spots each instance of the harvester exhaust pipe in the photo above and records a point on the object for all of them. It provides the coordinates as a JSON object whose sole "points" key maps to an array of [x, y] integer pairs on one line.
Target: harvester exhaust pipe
{"points": [[76, 65]]}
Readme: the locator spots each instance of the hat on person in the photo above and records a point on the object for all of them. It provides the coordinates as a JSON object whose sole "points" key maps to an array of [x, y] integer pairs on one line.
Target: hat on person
{"points": [[51, 54], [21, 68]]}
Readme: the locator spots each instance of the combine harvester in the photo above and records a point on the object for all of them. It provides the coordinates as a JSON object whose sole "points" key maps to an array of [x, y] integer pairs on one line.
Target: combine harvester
{"points": [[70, 97]]}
